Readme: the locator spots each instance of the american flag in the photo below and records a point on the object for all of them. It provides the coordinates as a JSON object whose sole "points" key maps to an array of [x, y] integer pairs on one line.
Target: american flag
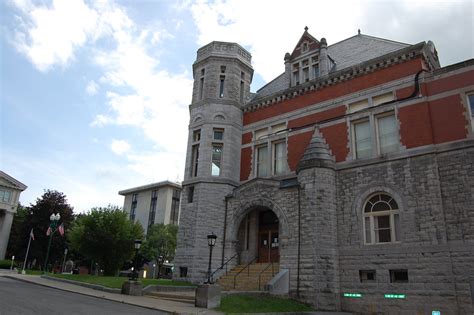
{"points": [[32, 235], [48, 231], [61, 229]]}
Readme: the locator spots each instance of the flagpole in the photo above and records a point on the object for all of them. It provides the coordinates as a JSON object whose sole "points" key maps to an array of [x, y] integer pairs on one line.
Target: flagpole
{"points": [[27, 251]]}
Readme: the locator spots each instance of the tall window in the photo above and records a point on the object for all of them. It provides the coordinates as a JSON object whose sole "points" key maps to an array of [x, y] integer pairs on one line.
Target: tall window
{"points": [[381, 220], [174, 215], [363, 140], [262, 161], [242, 86], [221, 86], [216, 159], [201, 85], [5, 196], [151, 215], [133, 208], [279, 158], [195, 160], [387, 134], [470, 98]]}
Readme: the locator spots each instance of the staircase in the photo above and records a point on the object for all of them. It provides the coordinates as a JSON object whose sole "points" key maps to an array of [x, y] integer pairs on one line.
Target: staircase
{"points": [[247, 277]]}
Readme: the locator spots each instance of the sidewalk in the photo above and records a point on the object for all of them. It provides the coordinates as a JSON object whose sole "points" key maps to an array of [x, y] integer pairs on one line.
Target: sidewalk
{"points": [[172, 307]]}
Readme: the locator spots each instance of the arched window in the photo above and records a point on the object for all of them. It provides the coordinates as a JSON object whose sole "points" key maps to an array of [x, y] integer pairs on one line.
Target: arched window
{"points": [[381, 219]]}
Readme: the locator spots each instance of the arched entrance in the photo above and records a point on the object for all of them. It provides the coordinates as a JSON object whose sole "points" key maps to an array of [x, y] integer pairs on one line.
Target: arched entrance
{"points": [[258, 237]]}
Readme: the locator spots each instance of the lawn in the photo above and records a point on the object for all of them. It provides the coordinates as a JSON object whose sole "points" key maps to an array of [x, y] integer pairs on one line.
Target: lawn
{"points": [[241, 303], [116, 282]]}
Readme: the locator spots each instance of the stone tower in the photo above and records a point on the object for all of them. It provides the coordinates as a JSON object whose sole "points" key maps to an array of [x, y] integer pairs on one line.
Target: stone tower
{"points": [[317, 178], [222, 76]]}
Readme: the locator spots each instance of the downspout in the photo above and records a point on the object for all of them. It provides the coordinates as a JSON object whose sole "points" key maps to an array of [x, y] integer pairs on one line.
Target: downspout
{"points": [[225, 231], [299, 244]]}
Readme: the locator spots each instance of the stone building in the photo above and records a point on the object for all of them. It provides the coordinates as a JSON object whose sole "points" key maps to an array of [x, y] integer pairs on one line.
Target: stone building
{"points": [[152, 204], [10, 190], [353, 170]]}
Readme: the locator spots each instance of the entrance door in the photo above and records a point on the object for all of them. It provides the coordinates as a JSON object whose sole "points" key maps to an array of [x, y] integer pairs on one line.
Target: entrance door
{"points": [[268, 238]]}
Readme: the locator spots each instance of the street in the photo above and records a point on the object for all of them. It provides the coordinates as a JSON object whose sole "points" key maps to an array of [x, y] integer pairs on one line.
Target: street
{"points": [[17, 297]]}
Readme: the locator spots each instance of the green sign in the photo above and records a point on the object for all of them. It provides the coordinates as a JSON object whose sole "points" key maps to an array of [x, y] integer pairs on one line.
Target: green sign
{"points": [[352, 295], [435, 313], [394, 296]]}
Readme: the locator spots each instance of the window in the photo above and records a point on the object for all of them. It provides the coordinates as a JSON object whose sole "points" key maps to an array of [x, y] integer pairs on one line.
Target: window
{"points": [[201, 84], [262, 157], [362, 138], [216, 159], [242, 86], [5, 196], [190, 194], [279, 158], [151, 215], [400, 275], [387, 133], [383, 128], [183, 272], [296, 77], [359, 105], [197, 135], [194, 160], [380, 99], [218, 134], [305, 74], [221, 88], [175, 207], [133, 207], [381, 220], [315, 71], [470, 99], [367, 275]]}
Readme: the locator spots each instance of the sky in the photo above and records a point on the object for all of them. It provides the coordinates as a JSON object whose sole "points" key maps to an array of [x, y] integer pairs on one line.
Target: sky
{"points": [[94, 95]]}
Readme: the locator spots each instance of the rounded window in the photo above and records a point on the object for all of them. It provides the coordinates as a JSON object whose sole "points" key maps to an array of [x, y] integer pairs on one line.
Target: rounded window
{"points": [[381, 219]]}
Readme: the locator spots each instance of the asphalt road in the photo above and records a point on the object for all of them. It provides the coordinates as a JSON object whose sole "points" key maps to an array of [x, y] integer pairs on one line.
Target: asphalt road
{"points": [[17, 297]]}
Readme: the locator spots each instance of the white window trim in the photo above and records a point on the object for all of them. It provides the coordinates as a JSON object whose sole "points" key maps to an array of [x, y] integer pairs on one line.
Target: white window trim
{"points": [[372, 215]]}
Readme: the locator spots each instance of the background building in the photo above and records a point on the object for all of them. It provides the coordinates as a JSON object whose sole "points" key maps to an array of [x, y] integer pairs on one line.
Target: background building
{"points": [[10, 190], [153, 203], [353, 171]]}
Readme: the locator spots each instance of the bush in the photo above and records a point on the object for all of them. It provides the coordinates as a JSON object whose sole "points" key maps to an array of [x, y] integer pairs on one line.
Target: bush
{"points": [[6, 264]]}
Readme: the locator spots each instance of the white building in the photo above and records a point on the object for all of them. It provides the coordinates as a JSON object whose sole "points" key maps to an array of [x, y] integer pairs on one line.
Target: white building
{"points": [[154, 203], [10, 190]]}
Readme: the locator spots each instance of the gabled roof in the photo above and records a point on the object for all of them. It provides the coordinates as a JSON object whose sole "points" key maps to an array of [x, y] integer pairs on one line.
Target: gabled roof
{"points": [[361, 48], [8, 181], [313, 43]]}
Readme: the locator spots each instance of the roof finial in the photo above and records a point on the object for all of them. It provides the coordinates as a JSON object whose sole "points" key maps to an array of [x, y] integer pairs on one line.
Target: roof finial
{"points": [[358, 31], [305, 28]]}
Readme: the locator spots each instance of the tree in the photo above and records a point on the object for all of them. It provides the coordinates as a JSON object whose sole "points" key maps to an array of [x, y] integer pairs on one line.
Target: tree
{"points": [[36, 216], [160, 244], [106, 236]]}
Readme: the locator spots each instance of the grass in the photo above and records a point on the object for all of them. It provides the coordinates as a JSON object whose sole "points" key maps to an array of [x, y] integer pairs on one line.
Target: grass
{"points": [[241, 303], [116, 282], [32, 272]]}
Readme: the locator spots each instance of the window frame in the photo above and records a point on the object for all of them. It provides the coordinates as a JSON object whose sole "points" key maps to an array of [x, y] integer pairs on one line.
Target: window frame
{"points": [[395, 229], [221, 156], [283, 158]]}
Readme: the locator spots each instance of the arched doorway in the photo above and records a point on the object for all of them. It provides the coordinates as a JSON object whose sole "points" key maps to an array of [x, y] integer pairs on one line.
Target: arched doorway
{"points": [[258, 237]]}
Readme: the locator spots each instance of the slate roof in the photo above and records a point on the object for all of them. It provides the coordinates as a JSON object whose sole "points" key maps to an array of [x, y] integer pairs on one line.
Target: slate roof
{"points": [[346, 53]]}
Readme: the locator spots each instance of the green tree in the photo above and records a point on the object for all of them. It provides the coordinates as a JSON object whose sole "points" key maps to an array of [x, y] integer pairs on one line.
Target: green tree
{"points": [[160, 244], [107, 236], [36, 217]]}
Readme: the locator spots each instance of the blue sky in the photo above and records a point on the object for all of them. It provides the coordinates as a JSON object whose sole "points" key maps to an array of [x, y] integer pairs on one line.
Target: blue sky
{"points": [[94, 95]]}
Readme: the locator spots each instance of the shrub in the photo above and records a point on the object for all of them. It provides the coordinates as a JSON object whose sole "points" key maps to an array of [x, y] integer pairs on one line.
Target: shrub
{"points": [[6, 264]]}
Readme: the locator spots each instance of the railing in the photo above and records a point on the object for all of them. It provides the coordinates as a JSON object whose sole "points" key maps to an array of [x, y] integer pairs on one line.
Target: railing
{"points": [[224, 265], [261, 272], [246, 267]]}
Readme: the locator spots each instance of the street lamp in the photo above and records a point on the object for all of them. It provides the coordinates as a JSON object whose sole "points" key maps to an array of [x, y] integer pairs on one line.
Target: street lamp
{"points": [[138, 243], [54, 218], [211, 241]]}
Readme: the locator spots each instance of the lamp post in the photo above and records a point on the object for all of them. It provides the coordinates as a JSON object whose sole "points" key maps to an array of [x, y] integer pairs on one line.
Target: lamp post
{"points": [[54, 218], [138, 243], [211, 241]]}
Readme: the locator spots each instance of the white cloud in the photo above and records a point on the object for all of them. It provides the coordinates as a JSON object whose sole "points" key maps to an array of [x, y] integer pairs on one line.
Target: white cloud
{"points": [[92, 88], [49, 35], [119, 147]]}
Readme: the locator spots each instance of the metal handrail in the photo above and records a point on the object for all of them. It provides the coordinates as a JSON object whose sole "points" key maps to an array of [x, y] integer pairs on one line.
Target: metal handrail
{"points": [[247, 266], [222, 266], [261, 272]]}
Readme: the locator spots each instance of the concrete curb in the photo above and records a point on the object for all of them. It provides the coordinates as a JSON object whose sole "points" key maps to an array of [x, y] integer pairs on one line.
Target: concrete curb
{"points": [[84, 284]]}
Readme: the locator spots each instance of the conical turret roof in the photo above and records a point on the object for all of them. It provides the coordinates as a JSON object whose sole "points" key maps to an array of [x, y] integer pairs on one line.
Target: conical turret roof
{"points": [[317, 154]]}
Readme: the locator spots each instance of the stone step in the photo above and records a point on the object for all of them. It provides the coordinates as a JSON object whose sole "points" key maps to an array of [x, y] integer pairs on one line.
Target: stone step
{"points": [[186, 297]]}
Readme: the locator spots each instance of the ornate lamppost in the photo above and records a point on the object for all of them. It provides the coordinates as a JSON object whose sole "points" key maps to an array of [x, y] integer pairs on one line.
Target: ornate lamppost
{"points": [[211, 241], [54, 218], [138, 243]]}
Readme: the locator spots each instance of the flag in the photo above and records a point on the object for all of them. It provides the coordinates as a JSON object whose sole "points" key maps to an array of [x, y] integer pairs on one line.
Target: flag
{"points": [[32, 235], [48, 231], [61, 229]]}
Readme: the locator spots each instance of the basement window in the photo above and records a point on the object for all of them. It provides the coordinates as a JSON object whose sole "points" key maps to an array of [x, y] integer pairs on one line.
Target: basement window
{"points": [[183, 272], [399, 276], [367, 275]]}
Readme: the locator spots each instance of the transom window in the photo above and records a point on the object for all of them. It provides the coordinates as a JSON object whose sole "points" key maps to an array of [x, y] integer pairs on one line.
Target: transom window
{"points": [[5, 196], [381, 220]]}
